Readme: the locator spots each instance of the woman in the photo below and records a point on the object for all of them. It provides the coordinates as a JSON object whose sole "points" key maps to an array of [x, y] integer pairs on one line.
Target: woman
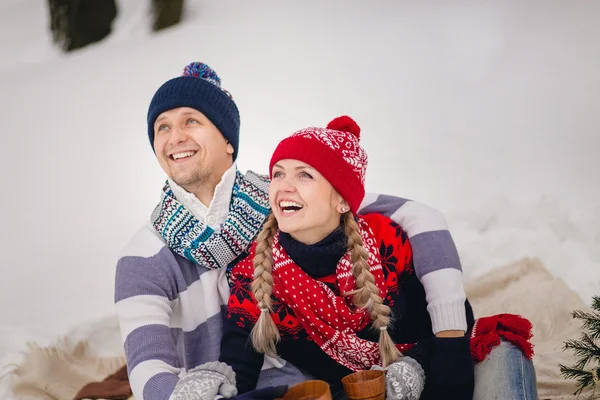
{"points": [[332, 292]]}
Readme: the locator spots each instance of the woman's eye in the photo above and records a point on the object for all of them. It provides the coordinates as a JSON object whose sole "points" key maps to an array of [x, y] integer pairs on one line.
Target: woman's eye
{"points": [[277, 174], [163, 127], [192, 121], [305, 175]]}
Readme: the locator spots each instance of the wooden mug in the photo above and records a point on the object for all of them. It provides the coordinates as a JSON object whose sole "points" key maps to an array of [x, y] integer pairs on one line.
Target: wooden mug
{"points": [[365, 385]]}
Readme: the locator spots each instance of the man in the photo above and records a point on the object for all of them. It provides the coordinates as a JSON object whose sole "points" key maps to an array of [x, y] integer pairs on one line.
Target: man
{"points": [[171, 281]]}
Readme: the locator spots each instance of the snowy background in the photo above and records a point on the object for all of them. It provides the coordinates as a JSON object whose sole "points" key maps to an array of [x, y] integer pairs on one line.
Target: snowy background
{"points": [[488, 111]]}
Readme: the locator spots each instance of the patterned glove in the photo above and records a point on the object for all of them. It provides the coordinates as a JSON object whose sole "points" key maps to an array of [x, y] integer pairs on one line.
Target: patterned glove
{"points": [[405, 379], [205, 382]]}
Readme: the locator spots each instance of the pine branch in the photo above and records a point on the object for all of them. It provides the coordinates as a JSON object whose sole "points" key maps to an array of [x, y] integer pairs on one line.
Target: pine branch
{"points": [[591, 322], [589, 340], [584, 378], [585, 350]]}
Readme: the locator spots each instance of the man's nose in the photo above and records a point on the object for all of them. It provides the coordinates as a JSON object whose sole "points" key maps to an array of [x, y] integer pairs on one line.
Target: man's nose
{"points": [[177, 136]]}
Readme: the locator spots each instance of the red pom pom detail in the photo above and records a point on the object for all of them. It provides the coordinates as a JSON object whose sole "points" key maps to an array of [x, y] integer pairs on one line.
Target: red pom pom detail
{"points": [[345, 124]]}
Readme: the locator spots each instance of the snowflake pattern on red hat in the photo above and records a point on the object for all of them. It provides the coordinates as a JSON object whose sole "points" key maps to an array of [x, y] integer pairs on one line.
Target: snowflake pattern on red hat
{"points": [[344, 143]]}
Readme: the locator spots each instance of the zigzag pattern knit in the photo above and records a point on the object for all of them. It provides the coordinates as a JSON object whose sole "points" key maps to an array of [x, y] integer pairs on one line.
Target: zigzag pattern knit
{"points": [[201, 244]]}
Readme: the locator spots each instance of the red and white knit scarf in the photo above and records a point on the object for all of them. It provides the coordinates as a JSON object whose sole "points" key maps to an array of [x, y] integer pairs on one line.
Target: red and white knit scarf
{"points": [[330, 320]]}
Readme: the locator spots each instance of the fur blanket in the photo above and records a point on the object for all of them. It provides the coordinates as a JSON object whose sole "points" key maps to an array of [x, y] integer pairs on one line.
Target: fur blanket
{"points": [[528, 289]]}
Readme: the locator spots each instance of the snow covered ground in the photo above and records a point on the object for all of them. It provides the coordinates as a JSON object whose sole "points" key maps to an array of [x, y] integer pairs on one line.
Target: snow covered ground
{"points": [[487, 111]]}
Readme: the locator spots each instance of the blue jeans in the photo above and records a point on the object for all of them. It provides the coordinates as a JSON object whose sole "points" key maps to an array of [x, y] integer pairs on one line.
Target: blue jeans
{"points": [[505, 374]]}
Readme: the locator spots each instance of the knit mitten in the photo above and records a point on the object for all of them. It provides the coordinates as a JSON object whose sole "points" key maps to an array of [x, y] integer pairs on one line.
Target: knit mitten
{"points": [[404, 379], [205, 382]]}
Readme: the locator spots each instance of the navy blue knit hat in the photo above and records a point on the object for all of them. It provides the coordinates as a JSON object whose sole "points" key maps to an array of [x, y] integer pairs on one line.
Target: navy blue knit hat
{"points": [[200, 88]]}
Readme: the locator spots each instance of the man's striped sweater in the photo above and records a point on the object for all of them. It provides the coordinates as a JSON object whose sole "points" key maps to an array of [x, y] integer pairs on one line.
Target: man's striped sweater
{"points": [[171, 310]]}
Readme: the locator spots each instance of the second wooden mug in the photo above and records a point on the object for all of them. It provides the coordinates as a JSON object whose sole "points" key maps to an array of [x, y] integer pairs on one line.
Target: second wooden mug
{"points": [[365, 385]]}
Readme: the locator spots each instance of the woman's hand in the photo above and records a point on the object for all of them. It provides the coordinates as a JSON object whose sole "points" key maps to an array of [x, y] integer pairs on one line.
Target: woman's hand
{"points": [[404, 379]]}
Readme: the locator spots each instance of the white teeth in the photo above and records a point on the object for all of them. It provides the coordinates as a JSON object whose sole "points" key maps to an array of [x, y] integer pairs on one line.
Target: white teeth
{"points": [[283, 204], [183, 155], [289, 207]]}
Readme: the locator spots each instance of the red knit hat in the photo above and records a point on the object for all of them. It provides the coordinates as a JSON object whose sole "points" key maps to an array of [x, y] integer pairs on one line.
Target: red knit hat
{"points": [[333, 151]]}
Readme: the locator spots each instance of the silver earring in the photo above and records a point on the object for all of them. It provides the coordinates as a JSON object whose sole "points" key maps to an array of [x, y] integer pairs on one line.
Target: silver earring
{"points": [[344, 209]]}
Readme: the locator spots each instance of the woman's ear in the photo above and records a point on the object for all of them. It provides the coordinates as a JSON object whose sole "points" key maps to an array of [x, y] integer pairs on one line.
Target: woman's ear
{"points": [[343, 206]]}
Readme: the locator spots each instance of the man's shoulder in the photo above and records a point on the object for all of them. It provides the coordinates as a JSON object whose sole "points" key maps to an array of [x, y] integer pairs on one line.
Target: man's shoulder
{"points": [[145, 243], [146, 265]]}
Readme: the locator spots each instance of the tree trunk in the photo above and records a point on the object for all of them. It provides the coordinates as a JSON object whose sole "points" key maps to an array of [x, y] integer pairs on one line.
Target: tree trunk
{"points": [[77, 23], [166, 13]]}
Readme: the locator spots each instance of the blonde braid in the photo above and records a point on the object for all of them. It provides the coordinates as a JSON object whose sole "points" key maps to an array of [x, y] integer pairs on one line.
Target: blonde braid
{"points": [[264, 334], [366, 295]]}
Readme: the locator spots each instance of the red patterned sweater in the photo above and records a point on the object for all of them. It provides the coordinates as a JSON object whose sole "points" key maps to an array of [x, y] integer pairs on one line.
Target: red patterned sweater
{"points": [[449, 358]]}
